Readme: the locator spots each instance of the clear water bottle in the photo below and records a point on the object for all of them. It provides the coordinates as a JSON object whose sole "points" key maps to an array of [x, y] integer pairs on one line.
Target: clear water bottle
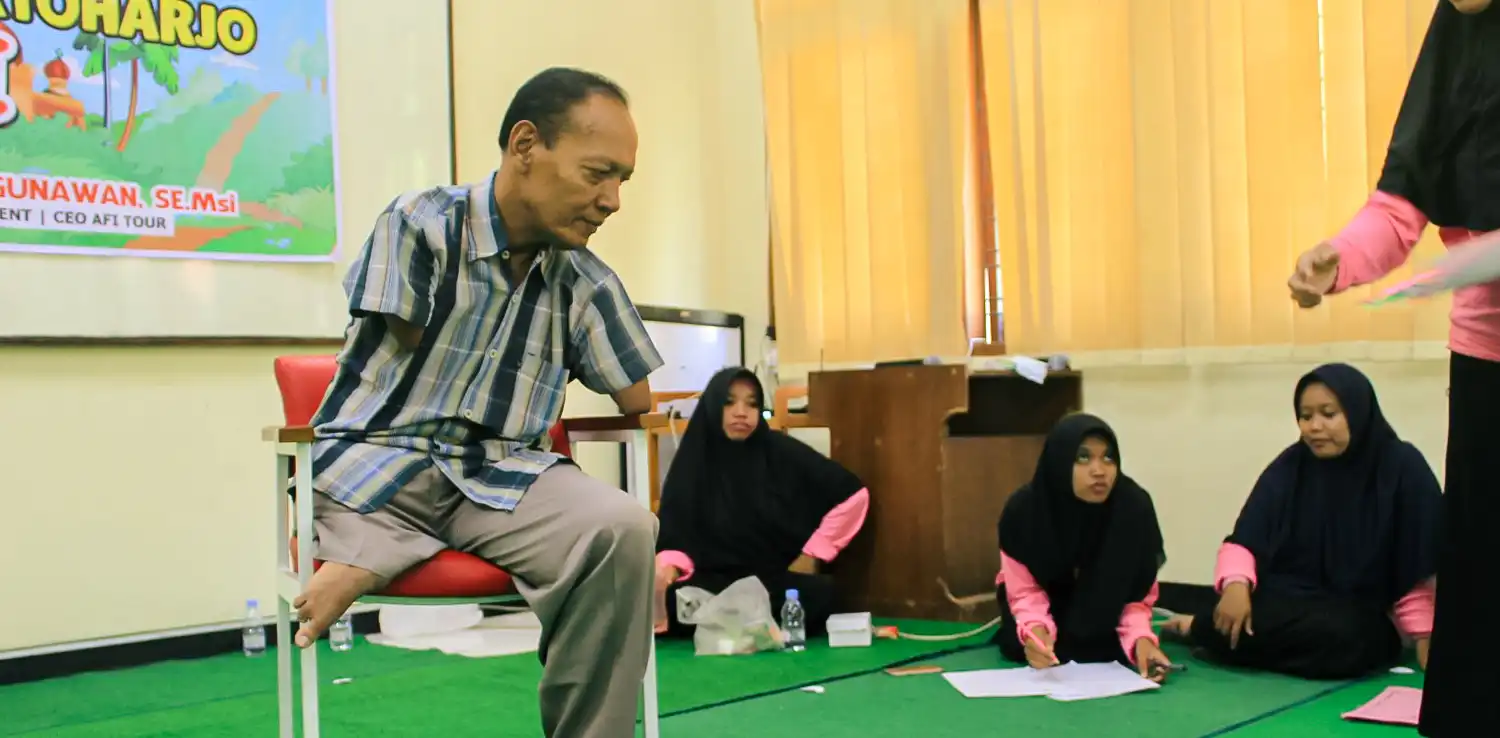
{"points": [[253, 639], [341, 635], [794, 623]]}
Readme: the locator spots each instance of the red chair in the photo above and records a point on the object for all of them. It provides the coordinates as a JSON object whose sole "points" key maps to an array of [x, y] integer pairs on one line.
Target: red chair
{"points": [[450, 577]]}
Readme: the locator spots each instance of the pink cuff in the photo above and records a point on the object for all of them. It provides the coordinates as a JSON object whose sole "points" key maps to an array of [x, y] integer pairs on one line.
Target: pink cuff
{"points": [[1413, 613], [1135, 623], [1235, 562], [839, 527], [677, 559], [1377, 240]]}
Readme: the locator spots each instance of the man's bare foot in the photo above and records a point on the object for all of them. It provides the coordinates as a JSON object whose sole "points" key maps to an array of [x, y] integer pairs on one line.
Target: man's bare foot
{"points": [[329, 594], [1178, 625]]}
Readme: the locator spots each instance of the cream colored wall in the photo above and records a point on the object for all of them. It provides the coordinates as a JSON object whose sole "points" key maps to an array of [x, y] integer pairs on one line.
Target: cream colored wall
{"points": [[136, 484]]}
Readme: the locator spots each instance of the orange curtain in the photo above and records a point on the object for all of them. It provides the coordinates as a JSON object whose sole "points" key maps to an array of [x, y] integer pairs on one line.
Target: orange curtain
{"points": [[868, 134], [1158, 165]]}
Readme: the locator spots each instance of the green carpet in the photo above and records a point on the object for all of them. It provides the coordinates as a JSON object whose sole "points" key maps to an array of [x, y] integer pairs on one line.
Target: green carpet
{"points": [[406, 693], [1205, 700], [394, 692]]}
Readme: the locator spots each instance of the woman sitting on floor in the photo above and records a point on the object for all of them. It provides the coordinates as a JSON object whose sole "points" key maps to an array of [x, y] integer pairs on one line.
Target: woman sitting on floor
{"points": [[742, 500], [1338, 536], [1080, 547]]}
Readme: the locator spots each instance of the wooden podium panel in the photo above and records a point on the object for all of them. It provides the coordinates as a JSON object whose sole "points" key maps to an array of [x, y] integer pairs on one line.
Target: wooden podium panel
{"points": [[941, 450]]}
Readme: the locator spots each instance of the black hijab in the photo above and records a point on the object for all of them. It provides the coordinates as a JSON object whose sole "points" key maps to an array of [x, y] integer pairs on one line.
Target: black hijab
{"points": [[745, 508], [1115, 546], [1443, 157], [1362, 525]]}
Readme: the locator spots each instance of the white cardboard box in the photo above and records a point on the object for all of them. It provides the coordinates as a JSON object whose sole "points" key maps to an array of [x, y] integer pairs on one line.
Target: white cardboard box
{"points": [[850, 629]]}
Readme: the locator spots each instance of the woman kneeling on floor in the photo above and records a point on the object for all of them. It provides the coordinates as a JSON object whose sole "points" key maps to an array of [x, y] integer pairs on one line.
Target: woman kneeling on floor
{"points": [[1080, 548], [1337, 539], [742, 500]]}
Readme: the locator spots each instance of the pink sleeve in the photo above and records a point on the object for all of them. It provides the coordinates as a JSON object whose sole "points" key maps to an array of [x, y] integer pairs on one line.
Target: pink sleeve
{"points": [[1414, 611], [1135, 623], [1377, 240], [1028, 602], [678, 559], [1235, 562], [839, 527]]}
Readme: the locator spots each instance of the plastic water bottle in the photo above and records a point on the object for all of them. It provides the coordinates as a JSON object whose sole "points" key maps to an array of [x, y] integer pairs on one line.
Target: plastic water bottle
{"points": [[794, 623], [253, 639], [341, 635]]}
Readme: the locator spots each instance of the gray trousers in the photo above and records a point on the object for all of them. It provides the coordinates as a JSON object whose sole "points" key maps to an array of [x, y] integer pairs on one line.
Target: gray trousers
{"points": [[582, 554]]}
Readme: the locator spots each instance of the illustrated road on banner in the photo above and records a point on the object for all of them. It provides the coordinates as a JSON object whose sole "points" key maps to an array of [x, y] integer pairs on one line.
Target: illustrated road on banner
{"points": [[167, 128]]}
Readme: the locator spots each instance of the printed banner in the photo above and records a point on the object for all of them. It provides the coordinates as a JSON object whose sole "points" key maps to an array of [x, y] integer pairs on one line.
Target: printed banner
{"points": [[167, 128]]}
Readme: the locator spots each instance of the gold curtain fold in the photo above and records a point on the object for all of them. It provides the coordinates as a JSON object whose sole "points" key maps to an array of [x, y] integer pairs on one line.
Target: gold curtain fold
{"points": [[868, 125], [1158, 165]]}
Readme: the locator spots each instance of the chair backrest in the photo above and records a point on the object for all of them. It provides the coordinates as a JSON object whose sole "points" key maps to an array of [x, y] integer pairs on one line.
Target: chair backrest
{"points": [[303, 381]]}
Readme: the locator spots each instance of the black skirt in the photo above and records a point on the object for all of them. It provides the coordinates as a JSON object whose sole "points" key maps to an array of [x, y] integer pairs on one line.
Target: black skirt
{"points": [[1462, 681], [1312, 637]]}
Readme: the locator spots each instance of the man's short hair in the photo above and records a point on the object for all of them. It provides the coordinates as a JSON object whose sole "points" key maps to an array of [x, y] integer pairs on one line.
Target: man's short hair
{"points": [[546, 99]]}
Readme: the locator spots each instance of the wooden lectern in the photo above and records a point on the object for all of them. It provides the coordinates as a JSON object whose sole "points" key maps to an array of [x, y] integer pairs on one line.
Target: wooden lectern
{"points": [[941, 450]]}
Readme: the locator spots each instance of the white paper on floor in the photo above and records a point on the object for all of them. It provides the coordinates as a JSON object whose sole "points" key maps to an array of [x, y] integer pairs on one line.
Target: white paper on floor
{"points": [[502, 635], [1070, 682]]}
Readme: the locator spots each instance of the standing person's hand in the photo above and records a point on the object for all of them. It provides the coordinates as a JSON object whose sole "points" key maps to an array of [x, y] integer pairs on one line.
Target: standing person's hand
{"points": [[1150, 661], [1317, 268], [804, 565], [666, 576], [1039, 648], [1232, 615]]}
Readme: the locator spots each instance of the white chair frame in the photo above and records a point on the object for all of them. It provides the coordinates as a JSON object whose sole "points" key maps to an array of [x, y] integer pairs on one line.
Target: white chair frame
{"points": [[296, 443]]}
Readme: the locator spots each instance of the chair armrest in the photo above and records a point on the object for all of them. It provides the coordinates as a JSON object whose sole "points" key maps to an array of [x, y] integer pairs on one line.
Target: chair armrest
{"points": [[615, 422], [287, 434]]}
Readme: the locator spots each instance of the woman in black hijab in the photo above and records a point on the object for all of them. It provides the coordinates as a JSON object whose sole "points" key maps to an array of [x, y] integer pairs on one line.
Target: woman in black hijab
{"points": [[1443, 167], [742, 500], [1338, 537], [1080, 547]]}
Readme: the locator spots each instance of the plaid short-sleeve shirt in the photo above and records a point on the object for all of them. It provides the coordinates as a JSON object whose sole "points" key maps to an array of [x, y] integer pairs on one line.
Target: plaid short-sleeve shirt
{"points": [[477, 397]]}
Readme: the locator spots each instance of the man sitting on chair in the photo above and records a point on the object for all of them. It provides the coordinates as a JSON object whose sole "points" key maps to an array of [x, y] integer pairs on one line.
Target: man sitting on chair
{"points": [[472, 307]]}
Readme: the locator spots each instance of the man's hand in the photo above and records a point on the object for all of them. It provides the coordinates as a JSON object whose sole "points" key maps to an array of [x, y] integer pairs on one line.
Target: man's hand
{"points": [[804, 565], [1150, 660], [407, 335], [1423, 646], [1232, 615], [1039, 648], [635, 399], [1317, 268]]}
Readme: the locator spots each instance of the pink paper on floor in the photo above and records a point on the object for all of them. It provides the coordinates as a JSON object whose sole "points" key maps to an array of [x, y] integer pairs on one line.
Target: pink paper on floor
{"points": [[1394, 706]]}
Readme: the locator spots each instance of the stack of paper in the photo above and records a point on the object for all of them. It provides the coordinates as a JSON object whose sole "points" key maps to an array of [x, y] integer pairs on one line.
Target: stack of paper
{"points": [[1067, 683]]}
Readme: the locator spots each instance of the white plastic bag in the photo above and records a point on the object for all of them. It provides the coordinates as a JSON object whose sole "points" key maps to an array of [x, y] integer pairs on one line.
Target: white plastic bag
{"points": [[735, 621]]}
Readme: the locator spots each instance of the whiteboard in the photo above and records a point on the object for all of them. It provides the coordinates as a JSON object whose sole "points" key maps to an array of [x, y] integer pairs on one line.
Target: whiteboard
{"points": [[694, 344], [390, 81]]}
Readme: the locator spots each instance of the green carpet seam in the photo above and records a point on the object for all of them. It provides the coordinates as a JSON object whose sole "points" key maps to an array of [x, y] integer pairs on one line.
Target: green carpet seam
{"points": [[1226, 730], [831, 680]]}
